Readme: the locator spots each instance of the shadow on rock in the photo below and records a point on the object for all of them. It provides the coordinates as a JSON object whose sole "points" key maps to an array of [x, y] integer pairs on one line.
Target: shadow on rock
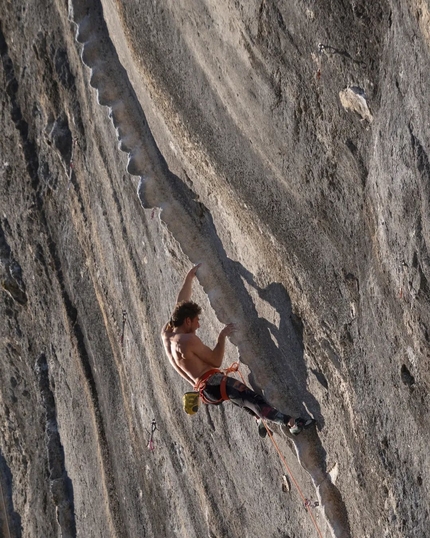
{"points": [[284, 344], [286, 357]]}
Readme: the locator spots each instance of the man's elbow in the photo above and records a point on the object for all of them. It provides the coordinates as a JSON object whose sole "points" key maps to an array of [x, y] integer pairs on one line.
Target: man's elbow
{"points": [[216, 362], [166, 328]]}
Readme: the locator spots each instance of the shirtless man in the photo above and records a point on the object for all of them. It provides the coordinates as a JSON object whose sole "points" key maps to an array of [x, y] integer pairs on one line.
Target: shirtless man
{"points": [[199, 365]]}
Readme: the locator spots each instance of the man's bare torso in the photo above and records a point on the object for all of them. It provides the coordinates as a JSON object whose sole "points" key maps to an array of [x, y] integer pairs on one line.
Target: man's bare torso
{"points": [[179, 349]]}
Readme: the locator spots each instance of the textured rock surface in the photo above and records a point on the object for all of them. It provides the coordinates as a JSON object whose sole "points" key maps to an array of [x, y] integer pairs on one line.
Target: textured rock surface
{"points": [[248, 147]]}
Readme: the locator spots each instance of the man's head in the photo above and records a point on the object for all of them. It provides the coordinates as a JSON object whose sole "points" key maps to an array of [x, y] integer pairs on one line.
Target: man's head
{"points": [[186, 313]]}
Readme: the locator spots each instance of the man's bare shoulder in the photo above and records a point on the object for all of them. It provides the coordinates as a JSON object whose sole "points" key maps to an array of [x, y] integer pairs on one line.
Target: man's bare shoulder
{"points": [[187, 337], [168, 333], [187, 341]]}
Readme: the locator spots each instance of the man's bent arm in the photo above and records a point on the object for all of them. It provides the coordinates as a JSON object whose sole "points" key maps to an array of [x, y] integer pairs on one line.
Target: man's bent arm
{"points": [[185, 292], [212, 357], [219, 349]]}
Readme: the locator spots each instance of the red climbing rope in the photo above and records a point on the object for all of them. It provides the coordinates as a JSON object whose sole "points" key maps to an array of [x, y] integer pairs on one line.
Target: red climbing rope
{"points": [[305, 503], [235, 368]]}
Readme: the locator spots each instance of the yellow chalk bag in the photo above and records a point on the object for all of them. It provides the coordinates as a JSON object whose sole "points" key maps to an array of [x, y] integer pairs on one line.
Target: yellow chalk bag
{"points": [[191, 402]]}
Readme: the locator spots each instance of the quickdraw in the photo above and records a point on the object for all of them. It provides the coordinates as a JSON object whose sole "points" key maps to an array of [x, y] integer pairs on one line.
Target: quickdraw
{"points": [[124, 321], [150, 444]]}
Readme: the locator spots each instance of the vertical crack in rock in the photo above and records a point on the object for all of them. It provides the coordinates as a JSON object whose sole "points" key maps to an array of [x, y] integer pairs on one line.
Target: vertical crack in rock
{"points": [[10, 521], [188, 220], [72, 314], [61, 136], [60, 484], [21, 125], [10, 272]]}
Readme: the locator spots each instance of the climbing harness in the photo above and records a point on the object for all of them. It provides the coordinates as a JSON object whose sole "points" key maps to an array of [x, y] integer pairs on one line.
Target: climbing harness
{"points": [[202, 381], [201, 385], [191, 400], [150, 444]]}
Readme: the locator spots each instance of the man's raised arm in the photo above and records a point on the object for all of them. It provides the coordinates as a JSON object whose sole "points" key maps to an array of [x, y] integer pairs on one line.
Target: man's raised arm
{"points": [[185, 293]]}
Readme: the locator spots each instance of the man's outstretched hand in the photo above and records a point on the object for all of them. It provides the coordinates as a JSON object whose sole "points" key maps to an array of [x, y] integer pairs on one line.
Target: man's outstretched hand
{"points": [[192, 272], [185, 292], [228, 330]]}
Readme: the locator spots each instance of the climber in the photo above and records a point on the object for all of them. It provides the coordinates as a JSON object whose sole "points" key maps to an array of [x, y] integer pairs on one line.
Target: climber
{"points": [[199, 365]]}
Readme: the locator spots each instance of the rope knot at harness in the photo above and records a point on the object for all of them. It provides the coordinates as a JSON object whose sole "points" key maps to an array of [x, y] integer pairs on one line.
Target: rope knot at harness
{"points": [[234, 367]]}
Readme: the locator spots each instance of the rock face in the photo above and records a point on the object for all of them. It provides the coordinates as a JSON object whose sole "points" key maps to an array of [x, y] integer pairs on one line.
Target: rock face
{"points": [[286, 146]]}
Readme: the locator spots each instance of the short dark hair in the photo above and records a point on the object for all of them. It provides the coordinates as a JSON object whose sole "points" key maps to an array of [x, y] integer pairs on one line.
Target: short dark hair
{"points": [[184, 310]]}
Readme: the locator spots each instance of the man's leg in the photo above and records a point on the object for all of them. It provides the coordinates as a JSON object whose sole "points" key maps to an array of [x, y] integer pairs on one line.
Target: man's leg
{"points": [[246, 398], [253, 403]]}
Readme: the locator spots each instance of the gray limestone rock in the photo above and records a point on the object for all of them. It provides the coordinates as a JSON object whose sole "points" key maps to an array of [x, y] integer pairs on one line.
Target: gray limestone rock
{"points": [[138, 138]]}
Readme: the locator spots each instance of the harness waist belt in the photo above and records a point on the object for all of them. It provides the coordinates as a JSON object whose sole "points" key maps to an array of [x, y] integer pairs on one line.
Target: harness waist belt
{"points": [[205, 376], [201, 385]]}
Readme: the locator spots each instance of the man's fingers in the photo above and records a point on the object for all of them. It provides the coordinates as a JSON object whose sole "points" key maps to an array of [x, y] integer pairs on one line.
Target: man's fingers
{"points": [[193, 270], [230, 329]]}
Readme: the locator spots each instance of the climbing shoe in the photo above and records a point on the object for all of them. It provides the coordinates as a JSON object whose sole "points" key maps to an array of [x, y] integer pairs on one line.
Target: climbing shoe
{"points": [[262, 432], [301, 424]]}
